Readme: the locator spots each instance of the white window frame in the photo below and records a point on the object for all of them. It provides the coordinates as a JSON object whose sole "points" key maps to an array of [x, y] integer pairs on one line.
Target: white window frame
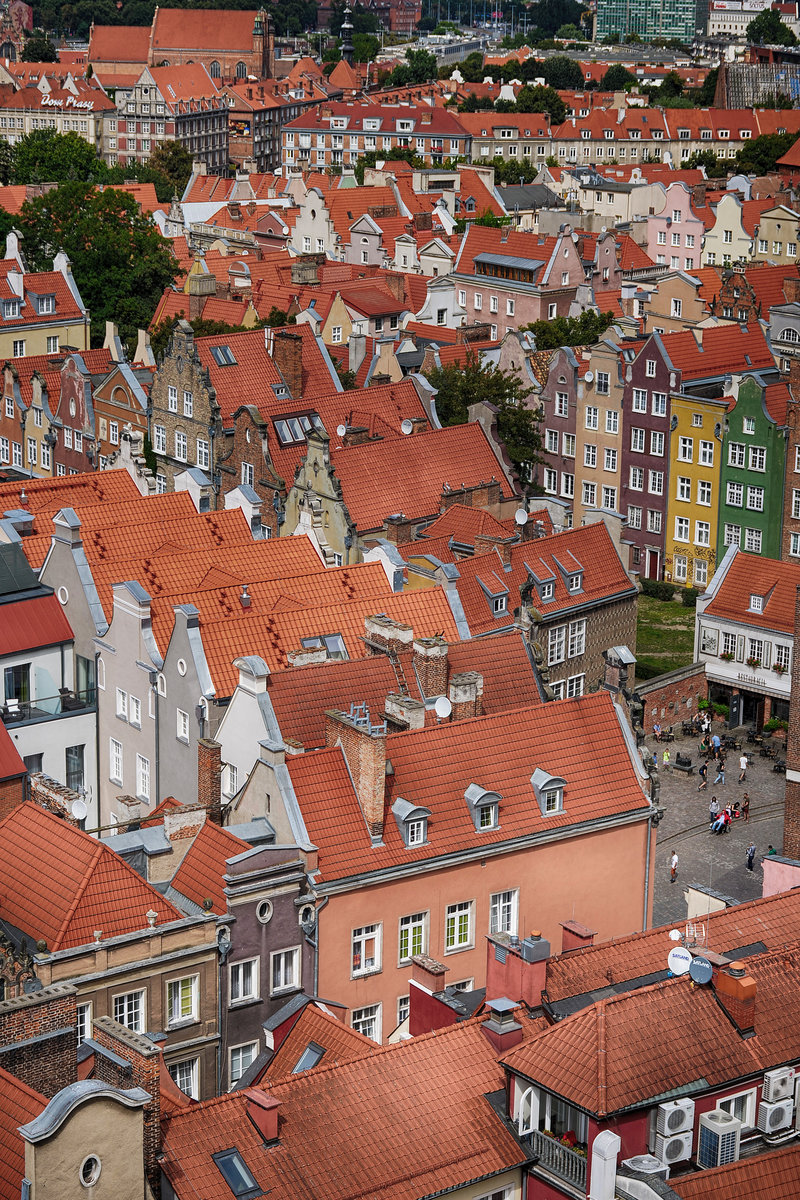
{"points": [[285, 969], [407, 929], [240, 1052], [359, 940], [136, 994], [174, 1068], [368, 1020], [236, 972], [175, 997], [504, 911], [454, 943], [115, 761]]}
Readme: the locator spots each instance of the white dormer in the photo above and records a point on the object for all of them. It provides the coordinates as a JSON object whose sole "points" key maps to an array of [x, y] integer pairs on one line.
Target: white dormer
{"points": [[549, 791], [484, 807], [412, 821]]}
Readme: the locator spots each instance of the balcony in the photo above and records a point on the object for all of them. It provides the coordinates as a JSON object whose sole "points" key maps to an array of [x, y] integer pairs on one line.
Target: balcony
{"points": [[559, 1160], [47, 708]]}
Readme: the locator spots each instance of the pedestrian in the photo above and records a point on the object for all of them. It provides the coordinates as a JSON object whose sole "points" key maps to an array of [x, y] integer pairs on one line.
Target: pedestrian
{"points": [[673, 867], [720, 771], [713, 809], [703, 773], [751, 853], [657, 731], [746, 806], [771, 850], [715, 742], [665, 760], [742, 766]]}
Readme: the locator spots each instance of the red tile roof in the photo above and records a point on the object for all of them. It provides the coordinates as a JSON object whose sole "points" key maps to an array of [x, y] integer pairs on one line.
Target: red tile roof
{"points": [[251, 378], [464, 523], [199, 877], [19, 1104], [187, 30], [580, 740], [32, 624], [337, 1133], [771, 1176], [724, 348], [777, 399], [68, 491], [11, 765], [119, 43], [748, 575], [340, 1042], [60, 884], [413, 472]]}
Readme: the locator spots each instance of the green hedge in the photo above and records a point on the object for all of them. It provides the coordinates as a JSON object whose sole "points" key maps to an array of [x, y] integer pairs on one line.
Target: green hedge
{"points": [[658, 590]]}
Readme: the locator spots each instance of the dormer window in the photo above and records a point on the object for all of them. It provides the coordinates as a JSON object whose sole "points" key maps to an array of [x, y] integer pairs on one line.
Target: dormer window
{"points": [[575, 583], [332, 643], [499, 605], [10, 309], [484, 807], [756, 603], [549, 791], [412, 822], [47, 304]]}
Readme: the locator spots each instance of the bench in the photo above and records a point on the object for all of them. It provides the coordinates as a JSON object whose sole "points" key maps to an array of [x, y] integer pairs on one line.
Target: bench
{"points": [[683, 763]]}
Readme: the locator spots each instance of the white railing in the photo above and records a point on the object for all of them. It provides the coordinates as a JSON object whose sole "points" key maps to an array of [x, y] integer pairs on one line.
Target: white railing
{"points": [[560, 1160]]}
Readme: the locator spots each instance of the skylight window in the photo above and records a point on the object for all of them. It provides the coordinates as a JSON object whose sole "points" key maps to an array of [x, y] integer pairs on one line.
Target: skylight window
{"points": [[236, 1174], [293, 429], [333, 643], [309, 1058], [223, 356]]}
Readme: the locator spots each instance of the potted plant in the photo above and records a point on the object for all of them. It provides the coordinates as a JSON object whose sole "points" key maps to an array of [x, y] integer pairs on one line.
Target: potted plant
{"points": [[726, 655], [778, 668], [753, 662]]}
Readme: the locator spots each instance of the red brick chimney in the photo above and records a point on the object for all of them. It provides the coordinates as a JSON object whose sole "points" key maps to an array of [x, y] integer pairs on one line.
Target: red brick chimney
{"points": [[287, 353], [430, 665], [466, 695], [209, 778], [37, 1038], [364, 747], [736, 992], [383, 635], [262, 1109], [518, 970], [575, 936], [398, 529], [791, 811], [144, 1071]]}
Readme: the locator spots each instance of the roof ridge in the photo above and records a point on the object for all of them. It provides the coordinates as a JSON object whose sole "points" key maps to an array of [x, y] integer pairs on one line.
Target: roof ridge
{"points": [[593, 697]]}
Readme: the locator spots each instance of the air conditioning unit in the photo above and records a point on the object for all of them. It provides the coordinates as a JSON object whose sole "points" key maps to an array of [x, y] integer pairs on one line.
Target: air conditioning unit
{"points": [[647, 1164], [718, 1142], [778, 1084], [674, 1148], [772, 1118], [676, 1116]]}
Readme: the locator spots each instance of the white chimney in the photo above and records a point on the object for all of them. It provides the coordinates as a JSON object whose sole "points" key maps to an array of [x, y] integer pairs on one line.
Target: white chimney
{"points": [[603, 1172]]}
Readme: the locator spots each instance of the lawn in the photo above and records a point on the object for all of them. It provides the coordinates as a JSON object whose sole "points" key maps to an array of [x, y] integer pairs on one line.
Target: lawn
{"points": [[664, 637]]}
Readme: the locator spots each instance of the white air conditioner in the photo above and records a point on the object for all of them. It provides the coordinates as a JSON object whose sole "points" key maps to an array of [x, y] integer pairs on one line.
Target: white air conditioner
{"points": [[646, 1164], [778, 1084], [718, 1142], [674, 1148], [772, 1118], [676, 1116]]}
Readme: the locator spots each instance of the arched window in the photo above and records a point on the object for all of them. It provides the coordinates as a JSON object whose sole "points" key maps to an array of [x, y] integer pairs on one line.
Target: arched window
{"points": [[241, 70], [790, 335], [525, 1118], [215, 71]]}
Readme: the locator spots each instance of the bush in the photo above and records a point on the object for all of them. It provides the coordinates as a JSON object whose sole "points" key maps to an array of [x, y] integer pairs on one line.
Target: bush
{"points": [[774, 723], [702, 704], [722, 710], [689, 597], [658, 590]]}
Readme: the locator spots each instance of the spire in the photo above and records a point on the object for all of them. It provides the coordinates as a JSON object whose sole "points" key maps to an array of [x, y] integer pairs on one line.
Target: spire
{"points": [[347, 37]]}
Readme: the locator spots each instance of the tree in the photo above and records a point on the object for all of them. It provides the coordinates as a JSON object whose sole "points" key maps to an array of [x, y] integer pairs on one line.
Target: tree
{"points": [[420, 67], [569, 32], [561, 72], [758, 156], [45, 156], [365, 47], [119, 259], [767, 29], [705, 95], [471, 67], [462, 384], [397, 153], [39, 49], [584, 330], [541, 99], [616, 79], [175, 162], [714, 167], [549, 15]]}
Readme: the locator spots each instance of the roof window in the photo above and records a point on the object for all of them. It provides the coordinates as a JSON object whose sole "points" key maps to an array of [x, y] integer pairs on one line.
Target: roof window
{"points": [[412, 822], [549, 791], [309, 1058], [756, 603], [293, 429], [333, 643], [236, 1174], [484, 807], [223, 356]]}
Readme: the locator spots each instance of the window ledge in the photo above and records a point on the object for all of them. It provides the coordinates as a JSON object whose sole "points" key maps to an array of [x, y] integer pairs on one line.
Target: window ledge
{"points": [[244, 1003], [460, 949], [367, 973], [183, 1022]]}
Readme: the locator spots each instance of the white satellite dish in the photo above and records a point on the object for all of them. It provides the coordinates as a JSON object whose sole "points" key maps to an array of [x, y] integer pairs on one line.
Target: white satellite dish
{"points": [[442, 707], [341, 430], [79, 809], [675, 935], [407, 427], [589, 376], [679, 960], [520, 517]]}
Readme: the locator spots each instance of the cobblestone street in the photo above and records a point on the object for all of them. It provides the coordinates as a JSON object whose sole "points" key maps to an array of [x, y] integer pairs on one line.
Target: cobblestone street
{"points": [[704, 859]]}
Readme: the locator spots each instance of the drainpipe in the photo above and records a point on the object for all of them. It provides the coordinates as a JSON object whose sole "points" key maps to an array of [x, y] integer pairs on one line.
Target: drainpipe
{"points": [[96, 737], [153, 676], [315, 943]]}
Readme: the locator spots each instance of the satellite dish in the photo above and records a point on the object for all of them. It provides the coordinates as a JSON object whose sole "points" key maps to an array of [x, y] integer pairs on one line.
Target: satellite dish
{"points": [[407, 427], [674, 935], [520, 517], [589, 376], [700, 970], [679, 960], [341, 430], [79, 809], [442, 707]]}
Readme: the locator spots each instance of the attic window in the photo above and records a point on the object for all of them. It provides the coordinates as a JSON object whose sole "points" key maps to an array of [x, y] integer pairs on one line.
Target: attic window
{"points": [[484, 807], [547, 590], [549, 791], [756, 603], [412, 822], [10, 308], [236, 1174], [309, 1058], [575, 583], [333, 643], [47, 304], [499, 605], [223, 356], [294, 429]]}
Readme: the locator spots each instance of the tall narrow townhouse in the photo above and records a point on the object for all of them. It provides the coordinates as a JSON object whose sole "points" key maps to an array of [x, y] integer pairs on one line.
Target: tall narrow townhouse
{"points": [[693, 499], [598, 431], [559, 403]]}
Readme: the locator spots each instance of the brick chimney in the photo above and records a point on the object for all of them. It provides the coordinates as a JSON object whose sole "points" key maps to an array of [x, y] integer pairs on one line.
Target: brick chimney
{"points": [[575, 936], [209, 778], [141, 1068], [736, 992], [262, 1109], [364, 747], [37, 1038], [426, 1010], [383, 635], [399, 529], [504, 546], [404, 712], [395, 282], [287, 353], [307, 656], [791, 288], [791, 813], [431, 665], [466, 695], [501, 1028], [517, 968]]}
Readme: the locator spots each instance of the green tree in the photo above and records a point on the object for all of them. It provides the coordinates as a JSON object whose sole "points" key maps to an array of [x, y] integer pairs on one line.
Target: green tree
{"points": [[549, 15], [45, 156], [584, 330], [541, 99], [471, 67], [561, 72], [6, 162], [758, 156], [119, 259], [714, 167], [420, 67], [39, 49], [569, 31], [397, 153], [174, 161], [616, 79], [705, 94], [365, 47], [460, 385], [767, 29]]}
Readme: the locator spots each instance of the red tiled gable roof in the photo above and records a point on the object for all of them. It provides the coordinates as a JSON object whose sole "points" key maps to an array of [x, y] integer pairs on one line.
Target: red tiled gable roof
{"points": [[11, 765], [31, 97], [589, 548], [338, 1126], [32, 624], [710, 279], [183, 83], [19, 1104], [767, 283], [119, 43], [725, 348], [68, 491], [441, 123], [251, 378], [60, 884], [480, 239], [13, 197], [748, 575], [640, 1037], [199, 877], [792, 156], [168, 804], [426, 549], [340, 1042], [463, 523], [776, 399], [751, 213], [413, 472], [771, 1176], [371, 299], [41, 283], [580, 740], [225, 30]]}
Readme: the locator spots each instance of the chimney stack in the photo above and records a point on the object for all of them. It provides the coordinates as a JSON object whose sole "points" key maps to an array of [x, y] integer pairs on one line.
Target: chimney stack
{"points": [[37, 1038], [364, 747], [736, 992], [386, 636], [575, 936], [501, 1029], [262, 1109], [141, 1068], [431, 665], [466, 695], [287, 354], [209, 778], [518, 970]]}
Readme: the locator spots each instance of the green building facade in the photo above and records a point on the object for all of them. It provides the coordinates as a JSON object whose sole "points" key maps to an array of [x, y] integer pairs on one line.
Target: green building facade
{"points": [[682, 19]]}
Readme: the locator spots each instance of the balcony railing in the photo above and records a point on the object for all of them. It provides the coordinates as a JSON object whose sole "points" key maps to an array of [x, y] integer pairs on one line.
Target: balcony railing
{"points": [[559, 1160], [45, 708]]}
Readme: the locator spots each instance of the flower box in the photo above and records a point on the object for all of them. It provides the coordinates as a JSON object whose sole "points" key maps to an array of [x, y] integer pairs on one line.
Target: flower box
{"points": [[727, 655], [753, 663]]}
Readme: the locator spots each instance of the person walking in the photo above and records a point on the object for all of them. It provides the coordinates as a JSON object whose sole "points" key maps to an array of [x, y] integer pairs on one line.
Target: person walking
{"points": [[713, 809], [742, 767], [665, 760], [703, 773], [751, 854], [673, 867], [720, 771], [746, 806], [715, 742]]}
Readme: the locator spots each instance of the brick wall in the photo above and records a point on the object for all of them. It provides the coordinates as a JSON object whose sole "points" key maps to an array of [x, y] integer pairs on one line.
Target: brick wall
{"points": [[145, 1067], [38, 1038], [190, 377], [245, 442], [430, 664], [607, 625], [673, 696], [12, 794], [364, 749], [791, 817], [209, 771]]}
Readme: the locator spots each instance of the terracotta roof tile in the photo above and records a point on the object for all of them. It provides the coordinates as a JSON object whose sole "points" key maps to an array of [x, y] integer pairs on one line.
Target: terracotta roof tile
{"points": [[119, 43], [60, 884], [340, 1042], [748, 575], [463, 523], [18, 1105], [199, 877], [725, 348], [11, 765], [771, 1176], [32, 624], [68, 491]]}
